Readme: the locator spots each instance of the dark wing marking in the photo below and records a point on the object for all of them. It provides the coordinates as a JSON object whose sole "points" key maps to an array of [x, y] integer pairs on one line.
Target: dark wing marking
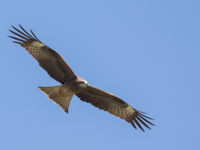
{"points": [[48, 59], [115, 106]]}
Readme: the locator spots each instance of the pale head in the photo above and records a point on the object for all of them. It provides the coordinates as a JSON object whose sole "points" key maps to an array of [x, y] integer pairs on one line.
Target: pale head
{"points": [[81, 82]]}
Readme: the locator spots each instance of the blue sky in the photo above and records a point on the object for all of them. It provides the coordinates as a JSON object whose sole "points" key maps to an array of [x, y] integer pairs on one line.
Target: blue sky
{"points": [[145, 52]]}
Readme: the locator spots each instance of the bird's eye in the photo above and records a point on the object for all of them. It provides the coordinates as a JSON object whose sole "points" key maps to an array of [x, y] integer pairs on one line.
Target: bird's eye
{"points": [[82, 82]]}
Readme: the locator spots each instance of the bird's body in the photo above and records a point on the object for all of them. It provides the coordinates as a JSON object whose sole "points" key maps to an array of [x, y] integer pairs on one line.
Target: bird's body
{"points": [[71, 84]]}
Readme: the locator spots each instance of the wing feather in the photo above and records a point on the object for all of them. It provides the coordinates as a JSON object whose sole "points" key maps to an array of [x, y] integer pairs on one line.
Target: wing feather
{"points": [[114, 105], [47, 58]]}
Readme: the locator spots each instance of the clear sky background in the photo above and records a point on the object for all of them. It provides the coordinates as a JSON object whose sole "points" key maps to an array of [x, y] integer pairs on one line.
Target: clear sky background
{"points": [[147, 52]]}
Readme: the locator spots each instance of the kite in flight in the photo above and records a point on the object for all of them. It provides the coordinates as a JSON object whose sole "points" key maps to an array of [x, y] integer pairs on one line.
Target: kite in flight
{"points": [[71, 84]]}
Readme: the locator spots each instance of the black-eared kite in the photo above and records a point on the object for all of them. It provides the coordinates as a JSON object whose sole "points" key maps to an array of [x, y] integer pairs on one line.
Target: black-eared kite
{"points": [[71, 84]]}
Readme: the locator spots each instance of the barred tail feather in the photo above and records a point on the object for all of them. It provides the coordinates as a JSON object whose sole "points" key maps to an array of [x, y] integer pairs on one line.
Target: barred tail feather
{"points": [[59, 95]]}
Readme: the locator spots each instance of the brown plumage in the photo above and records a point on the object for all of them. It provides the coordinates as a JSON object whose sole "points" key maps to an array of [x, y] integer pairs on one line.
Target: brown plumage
{"points": [[56, 67]]}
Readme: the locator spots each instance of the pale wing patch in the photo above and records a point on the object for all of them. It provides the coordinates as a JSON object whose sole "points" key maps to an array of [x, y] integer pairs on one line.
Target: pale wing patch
{"points": [[35, 49], [37, 44], [131, 110]]}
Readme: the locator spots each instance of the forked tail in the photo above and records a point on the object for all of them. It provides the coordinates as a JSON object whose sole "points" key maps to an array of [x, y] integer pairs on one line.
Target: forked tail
{"points": [[60, 95]]}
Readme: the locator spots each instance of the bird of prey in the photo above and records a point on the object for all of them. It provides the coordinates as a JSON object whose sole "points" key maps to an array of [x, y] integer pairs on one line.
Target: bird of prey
{"points": [[71, 84]]}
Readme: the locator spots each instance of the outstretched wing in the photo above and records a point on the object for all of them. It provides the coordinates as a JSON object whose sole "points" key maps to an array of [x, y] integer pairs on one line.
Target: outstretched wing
{"points": [[115, 106], [47, 58]]}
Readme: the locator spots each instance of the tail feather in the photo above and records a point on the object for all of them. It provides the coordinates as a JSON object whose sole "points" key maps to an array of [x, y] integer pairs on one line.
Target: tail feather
{"points": [[60, 95]]}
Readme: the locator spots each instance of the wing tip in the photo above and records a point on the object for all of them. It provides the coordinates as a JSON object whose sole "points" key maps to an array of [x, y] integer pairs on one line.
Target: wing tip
{"points": [[142, 120], [22, 36]]}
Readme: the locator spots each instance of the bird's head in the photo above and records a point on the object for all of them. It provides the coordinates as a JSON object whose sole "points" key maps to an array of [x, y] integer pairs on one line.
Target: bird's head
{"points": [[81, 82]]}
